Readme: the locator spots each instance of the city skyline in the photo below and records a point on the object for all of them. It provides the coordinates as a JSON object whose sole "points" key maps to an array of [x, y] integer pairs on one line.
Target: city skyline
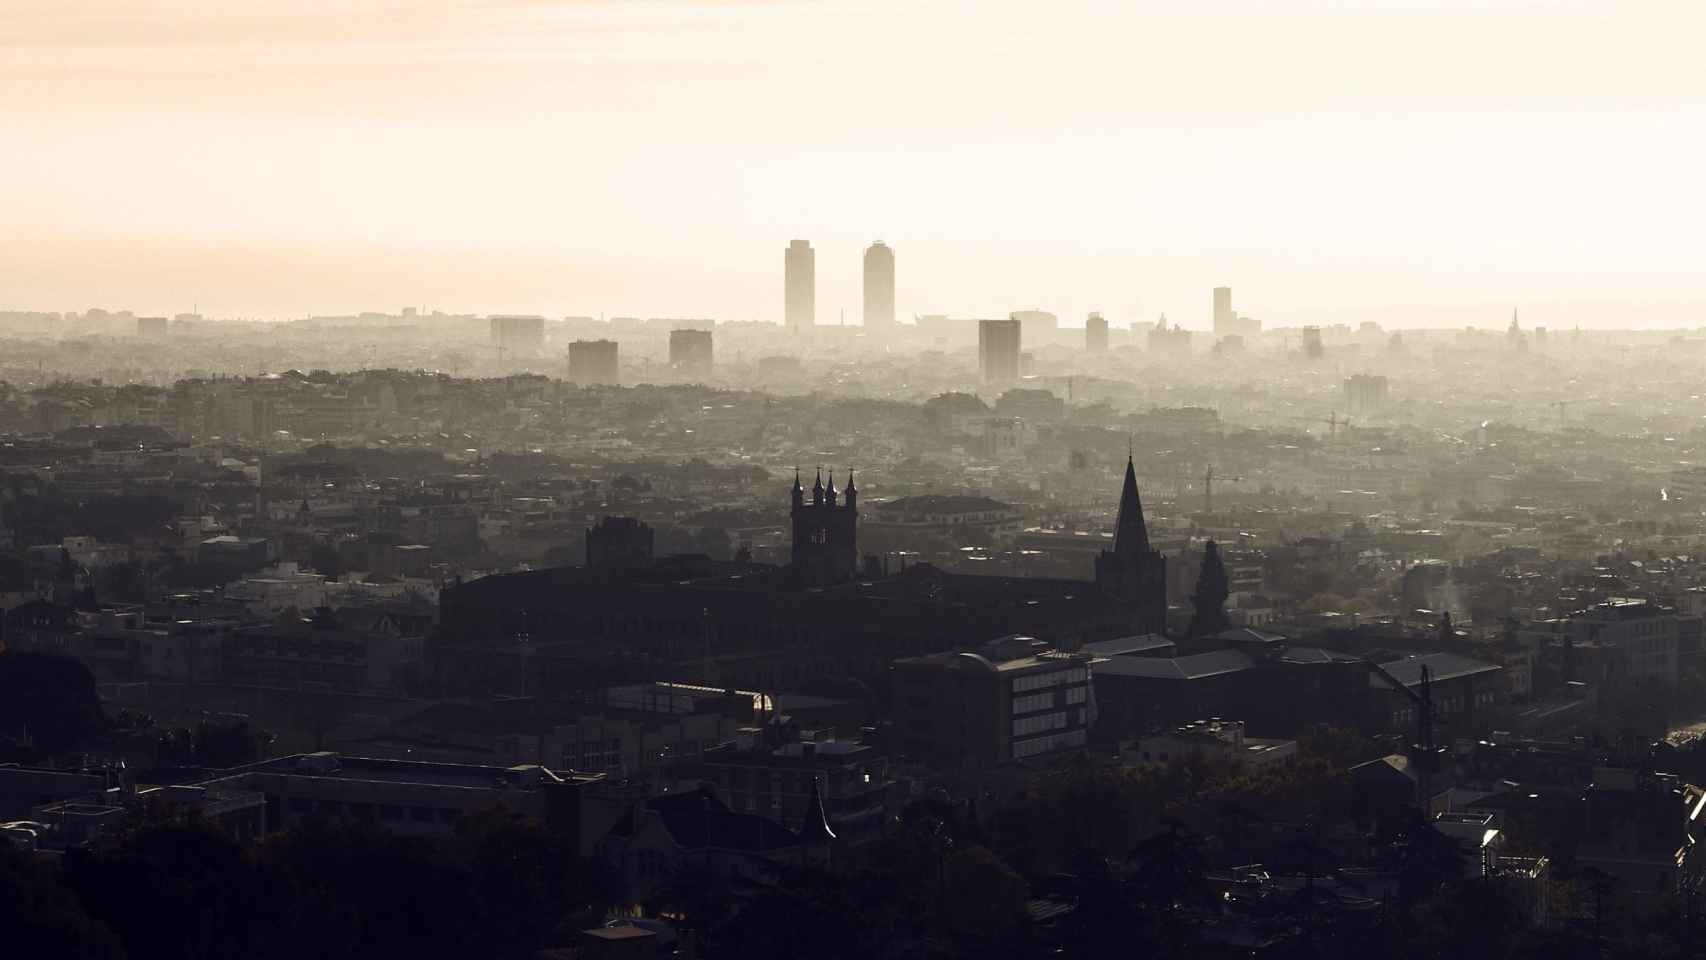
{"points": [[296, 159]]}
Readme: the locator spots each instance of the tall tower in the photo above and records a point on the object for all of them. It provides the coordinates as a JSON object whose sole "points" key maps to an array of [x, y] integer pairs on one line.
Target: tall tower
{"points": [[1225, 321], [1096, 334], [1132, 571], [998, 350], [825, 546], [879, 287], [799, 282]]}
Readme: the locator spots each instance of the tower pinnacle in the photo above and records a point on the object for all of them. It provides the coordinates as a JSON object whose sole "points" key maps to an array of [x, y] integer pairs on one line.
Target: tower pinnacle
{"points": [[1131, 534]]}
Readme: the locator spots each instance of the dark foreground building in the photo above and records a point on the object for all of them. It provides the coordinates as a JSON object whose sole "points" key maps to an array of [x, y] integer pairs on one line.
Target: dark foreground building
{"points": [[761, 627]]}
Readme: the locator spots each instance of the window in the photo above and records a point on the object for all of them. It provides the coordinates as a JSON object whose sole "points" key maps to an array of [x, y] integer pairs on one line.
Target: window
{"points": [[420, 814], [390, 811], [1031, 703], [1077, 694], [1025, 726]]}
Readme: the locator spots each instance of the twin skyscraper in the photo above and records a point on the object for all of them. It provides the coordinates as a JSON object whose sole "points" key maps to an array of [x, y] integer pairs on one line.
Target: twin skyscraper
{"points": [[799, 276]]}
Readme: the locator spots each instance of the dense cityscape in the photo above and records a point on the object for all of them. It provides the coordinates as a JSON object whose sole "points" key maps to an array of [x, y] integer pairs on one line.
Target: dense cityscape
{"points": [[949, 637], [852, 480]]}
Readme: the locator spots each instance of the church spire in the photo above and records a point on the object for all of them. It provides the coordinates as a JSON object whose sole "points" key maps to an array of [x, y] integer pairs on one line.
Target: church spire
{"points": [[1131, 535]]}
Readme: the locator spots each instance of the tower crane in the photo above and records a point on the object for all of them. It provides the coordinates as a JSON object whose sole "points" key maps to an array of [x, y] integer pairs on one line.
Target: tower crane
{"points": [[1332, 421]]}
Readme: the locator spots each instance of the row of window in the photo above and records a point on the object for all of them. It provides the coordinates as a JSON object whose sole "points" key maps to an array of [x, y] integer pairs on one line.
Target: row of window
{"points": [[1053, 678], [390, 812], [1037, 746], [1031, 703], [1024, 726]]}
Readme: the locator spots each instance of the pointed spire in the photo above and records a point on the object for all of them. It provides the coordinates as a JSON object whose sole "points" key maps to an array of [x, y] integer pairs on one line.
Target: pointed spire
{"points": [[797, 487], [1131, 535], [850, 487], [817, 487], [829, 491]]}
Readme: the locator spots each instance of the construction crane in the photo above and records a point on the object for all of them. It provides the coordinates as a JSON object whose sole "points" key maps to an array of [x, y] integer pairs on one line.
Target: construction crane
{"points": [[1423, 753], [1333, 422], [1208, 487]]}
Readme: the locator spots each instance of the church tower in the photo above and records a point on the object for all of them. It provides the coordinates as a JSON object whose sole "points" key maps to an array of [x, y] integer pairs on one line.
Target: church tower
{"points": [[1132, 571], [825, 533]]}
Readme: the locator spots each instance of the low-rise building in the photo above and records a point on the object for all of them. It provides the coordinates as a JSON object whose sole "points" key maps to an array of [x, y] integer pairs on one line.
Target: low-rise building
{"points": [[1217, 740]]}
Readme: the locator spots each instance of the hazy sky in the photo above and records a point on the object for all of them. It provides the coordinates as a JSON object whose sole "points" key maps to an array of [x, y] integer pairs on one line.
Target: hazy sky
{"points": [[654, 157]]}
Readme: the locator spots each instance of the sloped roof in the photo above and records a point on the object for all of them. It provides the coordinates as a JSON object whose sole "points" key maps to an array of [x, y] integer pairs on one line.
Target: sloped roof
{"points": [[1196, 667], [1441, 666]]}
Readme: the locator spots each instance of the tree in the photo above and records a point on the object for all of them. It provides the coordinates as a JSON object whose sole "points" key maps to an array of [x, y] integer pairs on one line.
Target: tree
{"points": [[178, 890], [1209, 599], [50, 697], [354, 891], [526, 881], [984, 897], [44, 919]]}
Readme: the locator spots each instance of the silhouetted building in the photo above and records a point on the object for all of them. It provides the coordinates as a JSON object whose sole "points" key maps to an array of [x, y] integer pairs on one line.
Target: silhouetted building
{"points": [[1165, 338], [150, 326], [879, 287], [799, 276], [1133, 571], [1096, 334], [1016, 698], [998, 350], [1227, 322], [749, 625], [690, 352], [825, 543], [518, 336], [593, 361], [619, 543], [1365, 393], [1312, 345]]}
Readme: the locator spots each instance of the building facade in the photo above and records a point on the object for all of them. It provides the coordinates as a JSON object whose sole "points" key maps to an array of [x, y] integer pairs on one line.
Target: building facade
{"points": [[799, 286], [879, 288], [998, 350]]}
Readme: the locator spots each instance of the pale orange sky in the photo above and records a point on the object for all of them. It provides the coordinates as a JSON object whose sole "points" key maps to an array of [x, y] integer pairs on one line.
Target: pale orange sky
{"points": [[654, 157]]}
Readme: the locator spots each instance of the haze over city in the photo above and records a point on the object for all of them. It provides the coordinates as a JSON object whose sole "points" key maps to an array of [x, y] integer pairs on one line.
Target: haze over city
{"points": [[831, 480], [1412, 164]]}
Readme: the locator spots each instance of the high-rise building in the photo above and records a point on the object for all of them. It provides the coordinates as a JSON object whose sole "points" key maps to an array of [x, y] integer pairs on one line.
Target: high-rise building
{"points": [[150, 326], [799, 276], [690, 352], [998, 350], [518, 336], [879, 287], [1224, 319], [593, 361], [1096, 334]]}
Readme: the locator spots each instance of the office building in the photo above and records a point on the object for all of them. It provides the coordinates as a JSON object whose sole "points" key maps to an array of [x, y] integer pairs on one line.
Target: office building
{"points": [[879, 287], [1365, 393], [1016, 698], [799, 274], [1224, 319], [1227, 322], [518, 336], [150, 326], [593, 361], [690, 352], [998, 350], [1096, 334]]}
